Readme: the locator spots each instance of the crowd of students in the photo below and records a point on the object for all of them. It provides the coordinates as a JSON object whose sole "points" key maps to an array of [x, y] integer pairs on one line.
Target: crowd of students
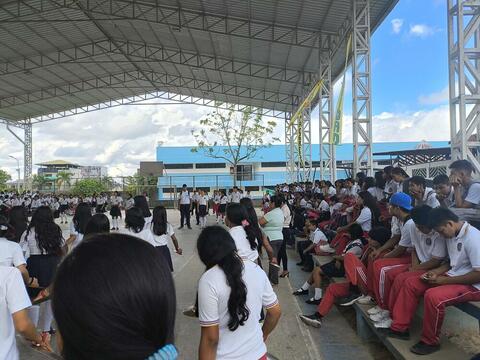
{"points": [[393, 239]]}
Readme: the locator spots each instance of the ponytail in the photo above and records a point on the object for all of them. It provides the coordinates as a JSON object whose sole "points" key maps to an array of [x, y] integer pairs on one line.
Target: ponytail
{"points": [[232, 266], [237, 214]]}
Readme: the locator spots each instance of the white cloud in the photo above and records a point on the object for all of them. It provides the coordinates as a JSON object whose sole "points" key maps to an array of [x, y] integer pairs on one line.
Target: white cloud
{"points": [[435, 98], [397, 25], [421, 30]]}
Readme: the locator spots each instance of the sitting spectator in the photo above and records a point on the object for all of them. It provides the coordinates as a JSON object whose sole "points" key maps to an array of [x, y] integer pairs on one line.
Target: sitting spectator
{"points": [[444, 190], [369, 212], [315, 237], [421, 194], [402, 179], [467, 192]]}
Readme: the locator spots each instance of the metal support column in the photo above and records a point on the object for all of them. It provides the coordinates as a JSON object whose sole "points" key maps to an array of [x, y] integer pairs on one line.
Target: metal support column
{"points": [[289, 150], [328, 166], [464, 79], [361, 86], [27, 157], [305, 169]]}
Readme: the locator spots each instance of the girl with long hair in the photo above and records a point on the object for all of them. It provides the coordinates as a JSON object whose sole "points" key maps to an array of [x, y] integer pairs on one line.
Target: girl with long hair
{"points": [[98, 224], [369, 212], [97, 321], [140, 202], [163, 231], [231, 294], [43, 245], [242, 232], [17, 223], [78, 224], [115, 202], [135, 225]]}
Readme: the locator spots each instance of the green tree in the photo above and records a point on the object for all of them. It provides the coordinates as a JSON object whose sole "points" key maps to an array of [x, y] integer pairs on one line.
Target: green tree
{"points": [[63, 178], [39, 181], [137, 184], [87, 187], [4, 178], [233, 136]]}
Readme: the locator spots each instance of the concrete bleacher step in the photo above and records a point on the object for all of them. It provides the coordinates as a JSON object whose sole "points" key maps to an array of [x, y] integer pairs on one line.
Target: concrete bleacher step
{"points": [[400, 349]]}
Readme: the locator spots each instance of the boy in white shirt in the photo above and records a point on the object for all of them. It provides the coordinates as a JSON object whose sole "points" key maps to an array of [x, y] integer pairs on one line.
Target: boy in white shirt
{"points": [[422, 195], [467, 192]]}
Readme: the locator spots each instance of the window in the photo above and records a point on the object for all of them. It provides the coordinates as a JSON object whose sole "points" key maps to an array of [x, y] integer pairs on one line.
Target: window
{"points": [[168, 190], [439, 170], [420, 172], [206, 189], [178, 166], [252, 188], [274, 164], [210, 166], [244, 172]]}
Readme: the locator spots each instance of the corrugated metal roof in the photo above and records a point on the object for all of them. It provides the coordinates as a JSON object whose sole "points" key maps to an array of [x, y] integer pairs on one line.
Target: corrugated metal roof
{"points": [[55, 55]]}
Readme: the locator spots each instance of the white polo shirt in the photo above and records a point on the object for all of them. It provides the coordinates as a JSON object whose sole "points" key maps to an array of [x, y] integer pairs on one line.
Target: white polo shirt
{"points": [[244, 249], [464, 252], [185, 198], [13, 298], [427, 246], [11, 253], [235, 197], [318, 236], [246, 342], [429, 198], [473, 194], [78, 235], [365, 219], [146, 234], [405, 234], [162, 240]]}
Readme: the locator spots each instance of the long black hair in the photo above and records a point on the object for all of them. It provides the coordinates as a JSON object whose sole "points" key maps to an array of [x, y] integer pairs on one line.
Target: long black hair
{"points": [[18, 223], [236, 214], [97, 224], [134, 219], [159, 221], [4, 226], [252, 218], [140, 202], [47, 233], [216, 247], [370, 202], [83, 213], [95, 289]]}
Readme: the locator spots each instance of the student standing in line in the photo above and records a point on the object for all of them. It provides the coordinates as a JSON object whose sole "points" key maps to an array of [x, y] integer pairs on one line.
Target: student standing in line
{"points": [[98, 224], [231, 295], [287, 219], [78, 224], [135, 225], [141, 203], [96, 319], [63, 210], [115, 202], [202, 211], [222, 206], [242, 232], [17, 223], [163, 231], [129, 203], [184, 205]]}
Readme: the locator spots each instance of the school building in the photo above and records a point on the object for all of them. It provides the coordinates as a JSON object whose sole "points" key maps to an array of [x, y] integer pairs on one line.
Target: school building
{"points": [[268, 167]]}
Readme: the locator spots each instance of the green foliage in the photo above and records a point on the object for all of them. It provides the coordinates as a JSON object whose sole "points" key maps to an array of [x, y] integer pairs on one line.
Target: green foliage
{"points": [[137, 184], [39, 181], [64, 178], [87, 187], [4, 177], [233, 136]]}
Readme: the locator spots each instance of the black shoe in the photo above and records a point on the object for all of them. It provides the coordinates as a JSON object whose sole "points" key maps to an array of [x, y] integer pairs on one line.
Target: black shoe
{"points": [[198, 224], [405, 335], [190, 227], [313, 301], [180, 228], [112, 229], [300, 292], [300, 263], [350, 299], [314, 320], [421, 348]]}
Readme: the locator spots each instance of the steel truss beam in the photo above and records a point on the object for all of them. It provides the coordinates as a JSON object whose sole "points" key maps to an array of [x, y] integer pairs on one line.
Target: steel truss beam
{"points": [[328, 166], [170, 82], [305, 156], [171, 16], [361, 85], [464, 79], [154, 53]]}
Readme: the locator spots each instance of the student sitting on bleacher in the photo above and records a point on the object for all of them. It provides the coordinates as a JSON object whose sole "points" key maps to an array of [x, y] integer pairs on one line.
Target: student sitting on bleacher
{"points": [[305, 248], [334, 268], [421, 194], [444, 190], [355, 279], [452, 283], [467, 192]]}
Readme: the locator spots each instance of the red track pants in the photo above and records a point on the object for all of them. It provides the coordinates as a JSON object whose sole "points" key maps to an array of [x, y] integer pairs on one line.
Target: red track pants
{"points": [[382, 283], [436, 299], [398, 284]]}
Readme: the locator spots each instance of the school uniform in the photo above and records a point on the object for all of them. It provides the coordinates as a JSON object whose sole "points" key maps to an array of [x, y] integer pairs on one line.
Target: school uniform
{"points": [[13, 298], [223, 205], [364, 219], [185, 201], [11, 253], [129, 203], [115, 201], [246, 342], [160, 242], [202, 210], [316, 237], [145, 234], [244, 249], [464, 253], [78, 235], [429, 198], [235, 197]]}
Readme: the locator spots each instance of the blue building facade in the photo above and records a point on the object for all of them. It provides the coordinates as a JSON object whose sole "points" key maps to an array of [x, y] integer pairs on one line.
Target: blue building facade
{"points": [[265, 170]]}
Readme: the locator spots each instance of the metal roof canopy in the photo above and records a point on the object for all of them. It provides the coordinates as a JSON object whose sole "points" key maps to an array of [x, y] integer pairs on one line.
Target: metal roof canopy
{"points": [[63, 57], [418, 156]]}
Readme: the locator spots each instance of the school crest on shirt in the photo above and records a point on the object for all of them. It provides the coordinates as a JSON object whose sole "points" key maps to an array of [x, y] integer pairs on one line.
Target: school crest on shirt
{"points": [[429, 241], [459, 246]]}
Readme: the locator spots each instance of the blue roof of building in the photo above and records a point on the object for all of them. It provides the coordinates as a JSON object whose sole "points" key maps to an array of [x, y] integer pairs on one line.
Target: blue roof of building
{"points": [[184, 155]]}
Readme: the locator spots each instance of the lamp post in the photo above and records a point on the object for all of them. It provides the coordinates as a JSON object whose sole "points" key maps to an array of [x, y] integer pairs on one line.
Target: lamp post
{"points": [[18, 172]]}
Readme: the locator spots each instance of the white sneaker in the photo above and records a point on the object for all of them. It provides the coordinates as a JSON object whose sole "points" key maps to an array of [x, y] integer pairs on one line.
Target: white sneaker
{"points": [[366, 300], [383, 324], [382, 315], [374, 310]]}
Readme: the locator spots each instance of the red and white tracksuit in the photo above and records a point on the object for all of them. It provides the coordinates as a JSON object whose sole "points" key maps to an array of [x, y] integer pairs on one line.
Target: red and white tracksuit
{"points": [[384, 272], [436, 299]]}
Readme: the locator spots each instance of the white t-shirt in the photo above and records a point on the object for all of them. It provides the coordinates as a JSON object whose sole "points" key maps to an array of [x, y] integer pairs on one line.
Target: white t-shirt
{"points": [[235, 197], [395, 226], [429, 198], [323, 206], [116, 200], [354, 247], [78, 235], [473, 194], [146, 234], [287, 216], [13, 298], [464, 252], [162, 240], [331, 191], [405, 235], [243, 245], [185, 198], [224, 200], [365, 219], [29, 244], [246, 342], [427, 246], [203, 200], [318, 236], [11, 253]]}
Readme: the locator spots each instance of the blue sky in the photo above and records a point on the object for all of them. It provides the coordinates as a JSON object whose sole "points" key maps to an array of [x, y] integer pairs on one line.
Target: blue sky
{"points": [[410, 103]]}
